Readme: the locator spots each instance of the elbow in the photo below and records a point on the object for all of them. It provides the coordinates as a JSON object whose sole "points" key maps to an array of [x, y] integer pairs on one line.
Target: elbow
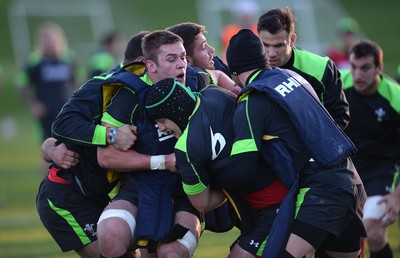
{"points": [[202, 208], [102, 158]]}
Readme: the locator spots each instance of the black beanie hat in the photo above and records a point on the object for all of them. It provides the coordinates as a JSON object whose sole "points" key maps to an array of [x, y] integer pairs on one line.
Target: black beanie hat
{"points": [[171, 100], [245, 52]]}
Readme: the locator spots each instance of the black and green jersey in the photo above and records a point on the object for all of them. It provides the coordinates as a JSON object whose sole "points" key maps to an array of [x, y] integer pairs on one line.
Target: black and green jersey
{"points": [[375, 128], [205, 145], [79, 120], [322, 74]]}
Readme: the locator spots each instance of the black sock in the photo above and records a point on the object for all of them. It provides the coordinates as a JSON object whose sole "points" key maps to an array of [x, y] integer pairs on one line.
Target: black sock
{"points": [[385, 252], [321, 254], [287, 255]]}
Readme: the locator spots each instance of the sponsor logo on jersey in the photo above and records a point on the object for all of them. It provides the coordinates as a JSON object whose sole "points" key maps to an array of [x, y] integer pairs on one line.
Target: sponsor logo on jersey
{"points": [[218, 143], [163, 136], [289, 85]]}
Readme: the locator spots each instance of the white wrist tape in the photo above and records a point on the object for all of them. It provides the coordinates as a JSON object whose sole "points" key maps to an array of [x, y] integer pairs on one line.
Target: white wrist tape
{"points": [[189, 241], [157, 162]]}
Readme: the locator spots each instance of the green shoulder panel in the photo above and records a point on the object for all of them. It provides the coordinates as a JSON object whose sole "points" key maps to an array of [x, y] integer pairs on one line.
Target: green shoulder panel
{"points": [[347, 78], [390, 90], [245, 145], [310, 63], [181, 142]]}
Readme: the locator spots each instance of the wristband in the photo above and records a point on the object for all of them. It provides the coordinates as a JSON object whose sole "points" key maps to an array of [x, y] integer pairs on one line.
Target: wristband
{"points": [[112, 135], [157, 162]]}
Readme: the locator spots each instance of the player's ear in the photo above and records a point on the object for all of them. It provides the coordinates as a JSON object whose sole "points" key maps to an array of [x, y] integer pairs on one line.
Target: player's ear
{"points": [[151, 66], [293, 39]]}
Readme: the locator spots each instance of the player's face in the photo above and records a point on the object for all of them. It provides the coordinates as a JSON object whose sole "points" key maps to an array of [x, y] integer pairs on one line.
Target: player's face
{"points": [[365, 74], [278, 46], [171, 63], [202, 53], [168, 126]]}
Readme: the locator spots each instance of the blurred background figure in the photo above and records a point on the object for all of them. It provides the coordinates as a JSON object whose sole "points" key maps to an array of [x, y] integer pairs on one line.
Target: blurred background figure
{"points": [[108, 55], [348, 32], [48, 78], [244, 14], [398, 74]]}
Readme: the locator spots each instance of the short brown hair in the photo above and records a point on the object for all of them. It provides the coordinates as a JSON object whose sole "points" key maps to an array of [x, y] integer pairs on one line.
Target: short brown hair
{"points": [[188, 32], [368, 48], [152, 42], [276, 20]]}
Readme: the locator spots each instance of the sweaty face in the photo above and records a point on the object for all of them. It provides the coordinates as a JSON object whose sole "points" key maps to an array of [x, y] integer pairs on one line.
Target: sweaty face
{"points": [[171, 63], [202, 53], [278, 46], [168, 126], [365, 74]]}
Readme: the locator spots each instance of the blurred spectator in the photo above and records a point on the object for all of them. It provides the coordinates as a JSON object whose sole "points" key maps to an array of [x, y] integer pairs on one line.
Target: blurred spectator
{"points": [[375, 130], [108, 55], [348, 33], [245, 14], [398, 74], [48, 78]]}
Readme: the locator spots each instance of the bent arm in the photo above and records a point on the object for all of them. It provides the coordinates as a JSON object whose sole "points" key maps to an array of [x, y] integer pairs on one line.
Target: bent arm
{"points": [[130, 160], [59, 154], [207, 200], [223, 80], [334, 97]]}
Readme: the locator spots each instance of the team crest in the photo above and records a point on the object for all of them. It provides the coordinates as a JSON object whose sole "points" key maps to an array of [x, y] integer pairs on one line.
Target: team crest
{"points": [[380, 113], [90, 228]]}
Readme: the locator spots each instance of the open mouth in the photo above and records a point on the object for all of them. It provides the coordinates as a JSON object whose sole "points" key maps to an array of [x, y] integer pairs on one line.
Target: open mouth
{"points": [[180, 77]]}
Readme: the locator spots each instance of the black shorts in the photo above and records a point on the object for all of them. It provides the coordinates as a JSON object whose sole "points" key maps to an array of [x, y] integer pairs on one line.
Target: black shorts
{"points": [[335, 211], [129, 192], [381, 185], [253, 239], [69, 217]]}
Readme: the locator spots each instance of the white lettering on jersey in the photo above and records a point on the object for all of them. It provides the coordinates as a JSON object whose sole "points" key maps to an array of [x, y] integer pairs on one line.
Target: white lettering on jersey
{"points": [[256, 244], [163, 136], [218, 143], [287, 87]]}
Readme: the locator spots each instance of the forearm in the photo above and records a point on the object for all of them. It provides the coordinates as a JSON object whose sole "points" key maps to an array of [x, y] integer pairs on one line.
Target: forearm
{"points": [[124, 161], [208, 200], [77, 129], [131, 160]]}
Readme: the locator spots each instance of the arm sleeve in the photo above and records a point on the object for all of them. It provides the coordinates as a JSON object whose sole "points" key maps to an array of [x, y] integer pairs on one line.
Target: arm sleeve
{"points": [[249, 126], [334, 98], [193, 153], [193, 172], [78, 122]]}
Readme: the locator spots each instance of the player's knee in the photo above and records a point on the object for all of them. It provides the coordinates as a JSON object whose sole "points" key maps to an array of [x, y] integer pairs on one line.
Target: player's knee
{"points": [[115, 232], [376, 242], [118, 216]]}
